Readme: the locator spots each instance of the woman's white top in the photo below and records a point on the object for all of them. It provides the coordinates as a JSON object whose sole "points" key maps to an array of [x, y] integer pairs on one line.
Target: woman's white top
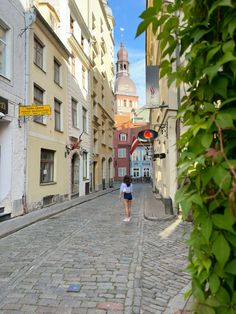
{"points": [[126, 189]]}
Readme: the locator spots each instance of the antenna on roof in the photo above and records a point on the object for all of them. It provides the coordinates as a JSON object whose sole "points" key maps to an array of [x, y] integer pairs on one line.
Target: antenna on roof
{"points": [[121, 33]]}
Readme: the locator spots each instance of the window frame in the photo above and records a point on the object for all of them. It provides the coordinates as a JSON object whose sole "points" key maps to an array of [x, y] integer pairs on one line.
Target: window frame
{"points": [[121, 155], [57, 71], [73, 65], [103, 133], [40, 44], [84, 119], [5, 55], [74, 113], [51, 163], [38, 102], [123, 172], [57, 115], [123, 137], [83, 77], [136, 170]]}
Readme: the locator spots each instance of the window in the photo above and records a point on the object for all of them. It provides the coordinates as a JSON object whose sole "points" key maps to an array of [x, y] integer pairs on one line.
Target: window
{"points": [[146, 172], [84, 77], [57, 115], [84, 120], [103, 133], [130, 103], [82, 41], [38, 53], [93, 22], [95, 141], [85, 165], [72, 21], [101, 27], [123, 137], [47, 166], [52, 22], [121, 152], [74, 106], [3, 51], [125, 103], [121, 172], [57, 72], [38, 100], [73, 65], [136, 173], [136, 155]]}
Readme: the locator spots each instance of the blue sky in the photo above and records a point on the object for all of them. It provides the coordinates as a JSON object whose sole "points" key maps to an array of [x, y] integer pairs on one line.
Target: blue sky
{"points": [[126, 14]]}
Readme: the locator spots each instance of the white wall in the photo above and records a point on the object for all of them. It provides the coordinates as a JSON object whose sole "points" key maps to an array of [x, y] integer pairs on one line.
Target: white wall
{"points": [[12, 161]]}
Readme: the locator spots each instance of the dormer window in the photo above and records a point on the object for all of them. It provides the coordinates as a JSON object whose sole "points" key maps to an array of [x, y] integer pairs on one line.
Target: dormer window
{"points": [[123, 137]]}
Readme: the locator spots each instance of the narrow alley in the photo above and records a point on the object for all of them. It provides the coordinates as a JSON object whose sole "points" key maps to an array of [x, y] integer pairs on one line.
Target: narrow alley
{"points": [[110, 266]]}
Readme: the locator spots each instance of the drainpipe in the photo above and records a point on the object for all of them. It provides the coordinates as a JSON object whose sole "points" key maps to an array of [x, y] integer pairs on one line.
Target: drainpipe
{"points": [[29, 18]]}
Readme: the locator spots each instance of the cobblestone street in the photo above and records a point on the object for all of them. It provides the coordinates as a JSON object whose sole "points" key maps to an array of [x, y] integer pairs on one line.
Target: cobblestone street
{"points": [[135, 267]]}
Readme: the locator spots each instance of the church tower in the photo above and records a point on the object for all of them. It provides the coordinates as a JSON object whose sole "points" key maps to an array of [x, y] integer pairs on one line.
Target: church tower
{"points": [[126, 97]]}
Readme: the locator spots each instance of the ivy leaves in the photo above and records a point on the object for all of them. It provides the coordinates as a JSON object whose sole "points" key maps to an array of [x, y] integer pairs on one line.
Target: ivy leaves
{"points": [[204, 33]]}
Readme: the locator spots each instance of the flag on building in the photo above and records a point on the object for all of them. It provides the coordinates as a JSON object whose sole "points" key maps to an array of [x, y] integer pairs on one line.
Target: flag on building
{"points": [[133, 145]]}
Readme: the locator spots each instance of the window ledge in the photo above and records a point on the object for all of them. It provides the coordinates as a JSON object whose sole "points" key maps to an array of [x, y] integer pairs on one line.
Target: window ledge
{"points": [[59, 131], [5, 77], [58, 84], [40, 68], [41, 123], [47, 183]]}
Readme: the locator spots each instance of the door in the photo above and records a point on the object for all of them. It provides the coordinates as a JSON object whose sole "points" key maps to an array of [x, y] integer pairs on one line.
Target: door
{"points": [[75, 175]]}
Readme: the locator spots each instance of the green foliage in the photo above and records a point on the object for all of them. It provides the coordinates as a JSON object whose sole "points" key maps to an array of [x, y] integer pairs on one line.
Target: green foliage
{"points": [[205, 33]]}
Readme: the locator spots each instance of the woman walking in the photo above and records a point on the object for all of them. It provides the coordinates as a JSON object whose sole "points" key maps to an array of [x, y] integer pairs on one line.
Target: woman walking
{"points": [[126, 190]]}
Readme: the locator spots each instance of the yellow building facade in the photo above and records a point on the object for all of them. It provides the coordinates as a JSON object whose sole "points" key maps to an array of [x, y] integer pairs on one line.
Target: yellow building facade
{"points": [[47, 167], [102, 113]]}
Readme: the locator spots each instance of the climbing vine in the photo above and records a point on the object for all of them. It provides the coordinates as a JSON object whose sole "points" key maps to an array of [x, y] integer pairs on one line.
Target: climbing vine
{"points": [[204, 31]]}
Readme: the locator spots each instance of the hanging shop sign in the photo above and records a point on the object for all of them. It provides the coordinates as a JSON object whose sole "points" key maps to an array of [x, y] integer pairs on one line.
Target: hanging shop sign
{"points": [[152, 82]]}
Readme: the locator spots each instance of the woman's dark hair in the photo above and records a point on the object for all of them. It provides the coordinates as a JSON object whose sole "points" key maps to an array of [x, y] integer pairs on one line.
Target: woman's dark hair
{"points": [[127, 180]]}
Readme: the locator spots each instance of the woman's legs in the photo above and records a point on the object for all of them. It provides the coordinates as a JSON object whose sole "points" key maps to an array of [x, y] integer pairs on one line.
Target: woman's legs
{"points": [[126, 208], [129, 208]]}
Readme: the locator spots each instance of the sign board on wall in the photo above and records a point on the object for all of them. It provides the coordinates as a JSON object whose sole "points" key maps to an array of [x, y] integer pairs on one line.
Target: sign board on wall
{"points": [[152, 86], [34, 110]]}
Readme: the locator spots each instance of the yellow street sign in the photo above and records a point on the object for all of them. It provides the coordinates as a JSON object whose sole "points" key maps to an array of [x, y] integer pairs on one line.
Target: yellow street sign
{"points": [[34, 110]]}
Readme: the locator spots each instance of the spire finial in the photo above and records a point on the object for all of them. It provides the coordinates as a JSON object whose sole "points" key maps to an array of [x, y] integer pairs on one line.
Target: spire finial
{"points": [[121, 35]]}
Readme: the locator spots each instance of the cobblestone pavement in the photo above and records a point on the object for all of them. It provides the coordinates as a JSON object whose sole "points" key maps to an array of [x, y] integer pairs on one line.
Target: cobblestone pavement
{"points": [[134, 267], [163, 264]]}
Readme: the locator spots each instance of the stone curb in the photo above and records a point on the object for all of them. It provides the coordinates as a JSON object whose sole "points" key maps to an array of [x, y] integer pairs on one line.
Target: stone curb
{"points": [[178, 304], [15, 224], [165, 218]]}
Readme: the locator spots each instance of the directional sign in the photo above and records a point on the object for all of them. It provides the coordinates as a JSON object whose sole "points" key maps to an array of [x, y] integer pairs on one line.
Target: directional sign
{"points": [[34, 110]]}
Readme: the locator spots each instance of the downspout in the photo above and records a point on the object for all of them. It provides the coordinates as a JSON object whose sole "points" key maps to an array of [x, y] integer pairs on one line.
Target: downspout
{"points": [[26, 99]]}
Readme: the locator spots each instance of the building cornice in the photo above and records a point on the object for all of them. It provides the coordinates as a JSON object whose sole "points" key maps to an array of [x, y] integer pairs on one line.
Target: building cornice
{"points": [[80, 19], [106, 19], [106, 113]]}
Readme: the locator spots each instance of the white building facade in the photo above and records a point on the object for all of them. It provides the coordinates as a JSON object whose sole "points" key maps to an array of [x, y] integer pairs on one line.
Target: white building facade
{"points": [[12, 94]]}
